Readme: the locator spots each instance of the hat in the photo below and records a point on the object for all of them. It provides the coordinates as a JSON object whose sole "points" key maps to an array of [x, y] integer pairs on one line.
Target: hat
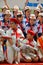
{"points": [[40, 14], [14, 20], [39, 6], [20, 12], [4, 7], [27, 8], [16, 8], [31, 32], [37, 9], [8, 12], [32, 16]]}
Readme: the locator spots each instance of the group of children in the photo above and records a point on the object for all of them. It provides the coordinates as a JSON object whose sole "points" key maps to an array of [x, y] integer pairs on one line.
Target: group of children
{"points": [[21, 35]]}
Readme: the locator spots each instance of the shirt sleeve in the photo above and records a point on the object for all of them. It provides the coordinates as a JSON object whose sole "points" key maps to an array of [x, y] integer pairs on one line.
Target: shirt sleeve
{"points": [[20, 32]]}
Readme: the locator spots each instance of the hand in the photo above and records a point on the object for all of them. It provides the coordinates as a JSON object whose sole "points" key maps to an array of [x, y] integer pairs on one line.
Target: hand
{"points": [[17, 49], [4, 0], [23, 47], [26, 1]]}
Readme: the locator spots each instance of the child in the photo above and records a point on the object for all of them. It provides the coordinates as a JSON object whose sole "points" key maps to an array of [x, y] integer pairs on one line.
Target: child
{"points": [[14, 33], [1, 45], [40, 52], [30, 47]]}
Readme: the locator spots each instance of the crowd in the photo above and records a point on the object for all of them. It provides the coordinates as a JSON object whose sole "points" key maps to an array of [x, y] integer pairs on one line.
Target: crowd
{"points": [[21, 34]]}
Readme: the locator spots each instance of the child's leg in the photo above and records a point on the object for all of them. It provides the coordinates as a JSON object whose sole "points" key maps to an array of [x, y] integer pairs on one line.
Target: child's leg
{"points": [[26, 57], [40, 55], [17, 57], [1, 53]]}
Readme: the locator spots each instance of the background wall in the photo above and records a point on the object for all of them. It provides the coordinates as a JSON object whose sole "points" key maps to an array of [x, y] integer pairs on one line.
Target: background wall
{"points": [[20, 3]]}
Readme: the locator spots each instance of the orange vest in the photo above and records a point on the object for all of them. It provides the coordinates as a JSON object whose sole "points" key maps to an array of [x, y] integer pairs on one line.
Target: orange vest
{"points": [[40, 42]]}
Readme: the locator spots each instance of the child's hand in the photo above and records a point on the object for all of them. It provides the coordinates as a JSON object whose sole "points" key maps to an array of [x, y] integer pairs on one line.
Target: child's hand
{"points": [[26, 1], [5, 1]]}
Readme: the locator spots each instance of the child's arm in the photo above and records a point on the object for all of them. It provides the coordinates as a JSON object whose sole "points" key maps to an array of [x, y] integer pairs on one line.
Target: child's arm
{"points": [[6, 4]]}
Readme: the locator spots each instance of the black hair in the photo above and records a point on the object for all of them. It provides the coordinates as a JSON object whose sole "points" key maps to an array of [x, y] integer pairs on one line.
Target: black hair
{"points": [[19, 15], [13, 12], [26, 10]]}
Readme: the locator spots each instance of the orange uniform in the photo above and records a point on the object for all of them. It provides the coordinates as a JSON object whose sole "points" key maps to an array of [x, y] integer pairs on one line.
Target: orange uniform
{"points": [[41, 41]]}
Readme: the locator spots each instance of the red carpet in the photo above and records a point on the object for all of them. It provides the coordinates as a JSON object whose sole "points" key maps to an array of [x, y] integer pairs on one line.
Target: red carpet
{"points": [[24, 64], [5, 63]]}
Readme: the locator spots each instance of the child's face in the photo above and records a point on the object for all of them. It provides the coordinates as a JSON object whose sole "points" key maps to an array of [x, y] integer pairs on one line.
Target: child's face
{"points": [[15, 13], [40, 18], [29, 36], [27, 13], [13, 25], [32, 21], [20, 18], [36, 13], [7, 17]]}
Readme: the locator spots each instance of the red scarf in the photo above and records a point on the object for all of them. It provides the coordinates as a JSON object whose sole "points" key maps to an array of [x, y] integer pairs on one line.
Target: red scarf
{"points": [[39, 27], [30, 43]]}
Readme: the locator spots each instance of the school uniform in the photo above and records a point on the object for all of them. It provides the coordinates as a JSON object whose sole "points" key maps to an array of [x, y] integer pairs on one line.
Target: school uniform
{"points": [[40, 42], [40, 29]]}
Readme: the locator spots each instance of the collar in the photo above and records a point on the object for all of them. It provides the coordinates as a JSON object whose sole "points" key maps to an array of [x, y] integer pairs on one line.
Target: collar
{"points": [[30, 40]]}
